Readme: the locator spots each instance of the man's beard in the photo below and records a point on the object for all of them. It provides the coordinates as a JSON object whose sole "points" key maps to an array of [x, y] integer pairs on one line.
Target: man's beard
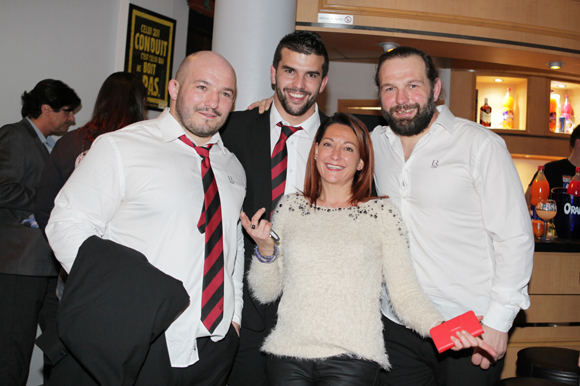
{"points": [[204, 130], [408, 127], [296, 111]]}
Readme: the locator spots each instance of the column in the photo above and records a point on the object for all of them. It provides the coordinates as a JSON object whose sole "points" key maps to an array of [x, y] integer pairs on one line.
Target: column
{"points": [[246, 33]]}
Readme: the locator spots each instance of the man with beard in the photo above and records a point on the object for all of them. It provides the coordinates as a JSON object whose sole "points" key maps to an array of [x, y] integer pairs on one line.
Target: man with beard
{"points": [[298, 74], [152, 187], [469, 229]]}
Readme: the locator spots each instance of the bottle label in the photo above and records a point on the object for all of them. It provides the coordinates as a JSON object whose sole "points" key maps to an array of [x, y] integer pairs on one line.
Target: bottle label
{"points": [[508, 119], [485, 119]]}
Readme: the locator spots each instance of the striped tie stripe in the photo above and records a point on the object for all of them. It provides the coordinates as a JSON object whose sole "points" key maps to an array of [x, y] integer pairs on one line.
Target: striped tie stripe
{"points": [[210, 224], [279, 162]]}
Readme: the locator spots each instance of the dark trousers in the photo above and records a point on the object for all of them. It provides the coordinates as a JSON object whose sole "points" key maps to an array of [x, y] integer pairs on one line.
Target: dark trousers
{"points": [[416, 362], [250, 363], [25, 302], [334, 371], [215, 363]]}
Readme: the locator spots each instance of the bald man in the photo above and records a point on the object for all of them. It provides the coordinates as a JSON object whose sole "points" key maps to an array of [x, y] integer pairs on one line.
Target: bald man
{"points": [[141, 187]]}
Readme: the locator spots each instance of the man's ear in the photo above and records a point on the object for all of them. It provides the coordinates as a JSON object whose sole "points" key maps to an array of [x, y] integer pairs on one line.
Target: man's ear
{"points": [[173, 89], [272, 74]]}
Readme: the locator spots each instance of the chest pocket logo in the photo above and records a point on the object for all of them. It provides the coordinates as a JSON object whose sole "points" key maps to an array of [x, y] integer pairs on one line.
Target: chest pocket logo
{"points": [[231, 179], [435, 163]]}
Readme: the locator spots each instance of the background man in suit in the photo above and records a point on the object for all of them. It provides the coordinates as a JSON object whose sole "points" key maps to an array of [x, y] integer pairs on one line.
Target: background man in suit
{"points": [[298, 74], [28, 269]]}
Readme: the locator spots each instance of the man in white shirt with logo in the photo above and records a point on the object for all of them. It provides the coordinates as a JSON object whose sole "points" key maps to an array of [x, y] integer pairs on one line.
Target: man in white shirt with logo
{"points": [[142, 187], [469, 228]]}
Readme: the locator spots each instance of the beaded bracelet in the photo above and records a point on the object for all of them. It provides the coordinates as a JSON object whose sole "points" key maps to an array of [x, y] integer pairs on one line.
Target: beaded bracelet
{"points": [[266, 259]]}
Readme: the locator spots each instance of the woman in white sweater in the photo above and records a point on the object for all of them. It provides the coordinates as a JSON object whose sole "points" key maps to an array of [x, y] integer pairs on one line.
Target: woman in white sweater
{"points": [[338, 244]]}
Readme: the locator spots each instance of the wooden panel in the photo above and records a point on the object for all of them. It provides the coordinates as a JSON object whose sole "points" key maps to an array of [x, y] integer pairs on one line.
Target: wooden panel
{"points": [[529, 21], [462, 94], [521, 144], [553, 309], [555, 273], [538, 113]]}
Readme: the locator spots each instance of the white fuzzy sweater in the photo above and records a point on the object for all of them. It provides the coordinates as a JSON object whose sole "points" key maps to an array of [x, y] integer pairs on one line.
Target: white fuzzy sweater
{"points": [[329, 272]]}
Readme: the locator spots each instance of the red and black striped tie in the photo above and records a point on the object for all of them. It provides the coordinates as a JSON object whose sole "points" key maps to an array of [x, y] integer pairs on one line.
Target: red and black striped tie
{"points": [[280, 162], [210, 223]]}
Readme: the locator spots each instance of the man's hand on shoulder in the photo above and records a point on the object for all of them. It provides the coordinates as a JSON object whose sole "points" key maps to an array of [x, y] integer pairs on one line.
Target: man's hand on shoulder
{"points": [[497, 340], [263, 105]]}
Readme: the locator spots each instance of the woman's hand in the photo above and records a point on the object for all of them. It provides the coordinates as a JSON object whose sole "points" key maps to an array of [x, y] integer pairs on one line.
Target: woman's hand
{"points": [[465, 340], [259, 230]]}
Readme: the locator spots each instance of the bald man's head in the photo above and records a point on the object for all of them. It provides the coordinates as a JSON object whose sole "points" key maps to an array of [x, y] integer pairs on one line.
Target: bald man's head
{"points": [[202, 94]]}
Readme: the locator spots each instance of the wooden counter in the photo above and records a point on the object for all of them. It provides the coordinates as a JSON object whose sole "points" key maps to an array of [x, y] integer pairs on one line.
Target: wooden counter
{"points": [[553, 318]]}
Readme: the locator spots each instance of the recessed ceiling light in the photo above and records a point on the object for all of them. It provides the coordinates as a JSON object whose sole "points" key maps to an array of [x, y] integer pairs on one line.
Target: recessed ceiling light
{"points": [[562, 85], [388, 46], [556, 65], [498, 80]]}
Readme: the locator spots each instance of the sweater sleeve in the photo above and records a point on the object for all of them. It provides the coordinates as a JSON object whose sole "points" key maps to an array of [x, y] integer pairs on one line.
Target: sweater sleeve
{"points": [[266, 279], [409, 302]]}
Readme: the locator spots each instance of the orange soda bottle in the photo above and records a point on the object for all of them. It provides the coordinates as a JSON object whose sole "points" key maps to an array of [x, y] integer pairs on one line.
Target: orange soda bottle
{"points": [[508, 111], [553, 112], [540, 187]]}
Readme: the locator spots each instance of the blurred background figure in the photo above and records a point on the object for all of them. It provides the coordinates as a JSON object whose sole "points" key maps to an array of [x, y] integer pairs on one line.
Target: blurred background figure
{"points": [[121, 102], [28, 268]]}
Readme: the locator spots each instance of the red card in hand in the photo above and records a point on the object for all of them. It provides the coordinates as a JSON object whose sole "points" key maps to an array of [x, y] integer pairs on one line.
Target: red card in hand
{"points": [[442, 333]]}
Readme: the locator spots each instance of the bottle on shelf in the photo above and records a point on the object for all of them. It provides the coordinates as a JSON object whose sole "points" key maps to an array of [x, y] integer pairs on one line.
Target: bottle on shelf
{"points": [[553, 112], [568, 115], [485, 114], [574, 186], [508, 111], [540, 190]]}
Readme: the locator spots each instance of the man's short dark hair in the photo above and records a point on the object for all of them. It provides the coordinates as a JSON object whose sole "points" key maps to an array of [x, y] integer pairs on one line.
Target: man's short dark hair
{"points": [[574, 136], [303, 42], [404, 52], [50, 92]]}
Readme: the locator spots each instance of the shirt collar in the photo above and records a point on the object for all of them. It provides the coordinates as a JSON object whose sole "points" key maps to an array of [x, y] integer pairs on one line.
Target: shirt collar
{"points": [[309, 125], [171, 130], [48, 142]]}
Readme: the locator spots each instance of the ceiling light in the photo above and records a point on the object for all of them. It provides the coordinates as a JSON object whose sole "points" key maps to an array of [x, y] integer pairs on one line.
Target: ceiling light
{"points": [[498, 80], [556, 65], [388, 46], [562, 85]]}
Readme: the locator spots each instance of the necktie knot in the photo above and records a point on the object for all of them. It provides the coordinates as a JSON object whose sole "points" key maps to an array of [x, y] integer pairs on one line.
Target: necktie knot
{"points": [[203, 152], [287, 131]]}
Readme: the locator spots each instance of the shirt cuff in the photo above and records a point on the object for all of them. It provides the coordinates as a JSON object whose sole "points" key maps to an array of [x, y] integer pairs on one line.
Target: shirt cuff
{"points": [[500, 317]]}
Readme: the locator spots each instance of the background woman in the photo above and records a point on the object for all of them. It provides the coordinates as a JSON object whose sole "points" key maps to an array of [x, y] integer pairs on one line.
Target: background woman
{"points": [[121, 102], [338, 244]]}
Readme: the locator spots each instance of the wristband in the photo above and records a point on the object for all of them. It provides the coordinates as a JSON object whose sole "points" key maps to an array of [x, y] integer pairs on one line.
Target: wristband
{"points": [[266, 259]]}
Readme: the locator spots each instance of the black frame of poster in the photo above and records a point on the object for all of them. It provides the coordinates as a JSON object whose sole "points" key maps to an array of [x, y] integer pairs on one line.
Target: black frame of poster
{"points": [[149, 53]]}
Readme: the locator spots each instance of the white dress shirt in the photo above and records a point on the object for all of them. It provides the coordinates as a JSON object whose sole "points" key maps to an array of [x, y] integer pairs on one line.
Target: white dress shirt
{"points": [[141, 187], [298, 146], [470, 230]]}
